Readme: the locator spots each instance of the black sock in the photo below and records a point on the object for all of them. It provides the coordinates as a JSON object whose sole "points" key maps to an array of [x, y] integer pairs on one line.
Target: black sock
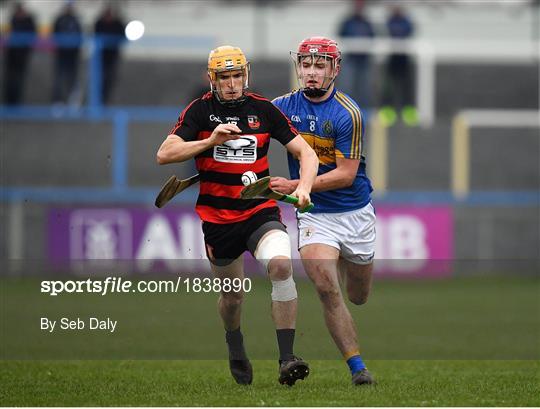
{"points": [[235, 341], [285, 339]]}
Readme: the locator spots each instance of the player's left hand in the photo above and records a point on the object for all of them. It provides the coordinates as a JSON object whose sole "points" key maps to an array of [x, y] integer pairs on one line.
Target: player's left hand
{"points": [[303, 198], [283, 185]]}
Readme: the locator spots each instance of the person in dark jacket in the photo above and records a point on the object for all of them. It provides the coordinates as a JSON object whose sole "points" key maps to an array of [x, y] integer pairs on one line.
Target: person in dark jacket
{"points": [[67, 39], [356, 71], [17, 55], [398, 81], [110, 31]]}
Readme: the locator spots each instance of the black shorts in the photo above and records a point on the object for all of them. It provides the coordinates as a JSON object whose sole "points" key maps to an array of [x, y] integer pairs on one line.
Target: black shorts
{"points": [[226, 242]]}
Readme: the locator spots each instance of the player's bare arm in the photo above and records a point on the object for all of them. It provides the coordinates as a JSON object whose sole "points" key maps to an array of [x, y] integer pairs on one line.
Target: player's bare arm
{"points": [[309, 164], [175, 149], [342, 176]]}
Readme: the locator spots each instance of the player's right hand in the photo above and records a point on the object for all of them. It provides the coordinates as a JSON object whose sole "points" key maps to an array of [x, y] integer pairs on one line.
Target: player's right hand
{"points": [[283, 185], [303, 198], [223, 133]]}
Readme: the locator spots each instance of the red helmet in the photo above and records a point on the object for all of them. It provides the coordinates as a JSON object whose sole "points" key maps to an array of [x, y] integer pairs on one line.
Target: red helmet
{"points": [[319, 45], [311, 48]]}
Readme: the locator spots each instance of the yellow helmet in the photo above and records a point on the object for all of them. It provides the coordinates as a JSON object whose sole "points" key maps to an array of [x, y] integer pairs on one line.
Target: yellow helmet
{"points": [[225, 58]]}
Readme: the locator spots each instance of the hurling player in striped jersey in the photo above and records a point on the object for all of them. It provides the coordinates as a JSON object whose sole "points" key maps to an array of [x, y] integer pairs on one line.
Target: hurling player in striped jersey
{"points": [[339, 233], [227, 131]]}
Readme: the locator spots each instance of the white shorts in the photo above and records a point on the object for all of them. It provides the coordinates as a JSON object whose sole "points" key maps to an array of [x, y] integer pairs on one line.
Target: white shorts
{"points": [[352, 233]]}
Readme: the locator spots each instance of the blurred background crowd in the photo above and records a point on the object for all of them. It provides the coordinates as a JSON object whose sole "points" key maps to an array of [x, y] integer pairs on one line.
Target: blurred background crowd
{"points": [[63, 38]]}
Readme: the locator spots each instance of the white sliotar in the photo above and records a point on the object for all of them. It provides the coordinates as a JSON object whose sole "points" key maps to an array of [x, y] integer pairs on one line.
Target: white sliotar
{"points": [[249, 177]]}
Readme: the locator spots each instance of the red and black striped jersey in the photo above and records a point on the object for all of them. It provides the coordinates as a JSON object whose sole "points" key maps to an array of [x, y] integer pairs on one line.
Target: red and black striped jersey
{"points": [[222, 166]]}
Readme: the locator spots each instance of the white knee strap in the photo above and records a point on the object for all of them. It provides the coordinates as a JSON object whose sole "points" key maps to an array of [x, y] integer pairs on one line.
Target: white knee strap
{"points": [[276, 243], [284, 290]]}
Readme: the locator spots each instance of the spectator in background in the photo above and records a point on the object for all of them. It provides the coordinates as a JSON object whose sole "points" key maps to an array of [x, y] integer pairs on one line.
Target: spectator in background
{"points": [[356, 72], [18, 50], [398, 82], [109, 29], [67, 39]]}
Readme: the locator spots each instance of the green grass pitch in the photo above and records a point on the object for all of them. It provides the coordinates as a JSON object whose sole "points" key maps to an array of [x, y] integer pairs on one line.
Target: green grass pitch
{"points": [[208, 383], [459, 342]]}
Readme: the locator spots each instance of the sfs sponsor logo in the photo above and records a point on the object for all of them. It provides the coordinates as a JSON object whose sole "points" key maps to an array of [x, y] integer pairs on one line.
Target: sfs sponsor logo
{"points": [[242, 150]]}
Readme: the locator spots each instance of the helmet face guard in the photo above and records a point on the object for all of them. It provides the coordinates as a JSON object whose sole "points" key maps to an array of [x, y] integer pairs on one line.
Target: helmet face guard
{"points": [[227, 59], [313, 50]]}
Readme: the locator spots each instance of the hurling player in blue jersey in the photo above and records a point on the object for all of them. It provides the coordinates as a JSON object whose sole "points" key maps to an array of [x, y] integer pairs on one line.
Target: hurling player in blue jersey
{"points": [[339, 233]]}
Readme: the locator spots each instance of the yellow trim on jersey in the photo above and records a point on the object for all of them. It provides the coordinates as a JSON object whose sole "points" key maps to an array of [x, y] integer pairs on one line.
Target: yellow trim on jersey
{"points": [[323, 147], [288, 94], [356, 117], [357, 125]]}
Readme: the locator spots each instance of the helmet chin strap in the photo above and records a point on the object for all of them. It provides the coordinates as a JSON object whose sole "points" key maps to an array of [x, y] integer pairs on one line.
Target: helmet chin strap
{"points": [[314, 92], [317, 92], [232, 103]]}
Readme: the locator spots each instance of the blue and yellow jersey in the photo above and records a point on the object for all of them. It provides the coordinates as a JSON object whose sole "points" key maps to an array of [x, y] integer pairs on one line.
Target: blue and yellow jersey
{"points": [[334, 128]]}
